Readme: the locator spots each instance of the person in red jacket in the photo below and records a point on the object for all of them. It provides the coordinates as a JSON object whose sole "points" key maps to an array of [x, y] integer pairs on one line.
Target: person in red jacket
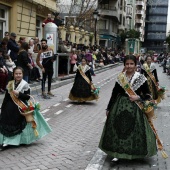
{"points": [[49, 19]]}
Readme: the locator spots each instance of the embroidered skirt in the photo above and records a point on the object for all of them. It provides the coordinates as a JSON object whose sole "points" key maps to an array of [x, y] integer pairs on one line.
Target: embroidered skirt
{"points": [[127, 133]]}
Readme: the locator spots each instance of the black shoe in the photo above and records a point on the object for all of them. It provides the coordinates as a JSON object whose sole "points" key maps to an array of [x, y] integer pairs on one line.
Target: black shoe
{"points": [[45, 96]]}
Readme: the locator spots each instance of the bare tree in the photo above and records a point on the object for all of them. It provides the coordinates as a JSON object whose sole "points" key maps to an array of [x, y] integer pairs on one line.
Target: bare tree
{"points": [[78, 12]]}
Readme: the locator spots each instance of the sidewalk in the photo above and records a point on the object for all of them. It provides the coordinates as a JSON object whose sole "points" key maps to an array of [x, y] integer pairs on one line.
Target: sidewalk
{"points": [[61, 81]]}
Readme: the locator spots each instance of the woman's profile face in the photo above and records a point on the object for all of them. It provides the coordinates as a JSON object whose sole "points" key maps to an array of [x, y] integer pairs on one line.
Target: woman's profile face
{"points": [[130, 66], [18, 75]]}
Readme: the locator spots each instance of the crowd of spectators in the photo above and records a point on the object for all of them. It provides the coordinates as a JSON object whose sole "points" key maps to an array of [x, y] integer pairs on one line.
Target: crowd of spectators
{"points": [[96, 56], [20, 53]]}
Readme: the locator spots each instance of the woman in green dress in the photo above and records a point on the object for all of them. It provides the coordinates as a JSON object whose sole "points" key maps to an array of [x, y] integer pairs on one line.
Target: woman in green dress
{"points": [[20, 120], [127, 133]]}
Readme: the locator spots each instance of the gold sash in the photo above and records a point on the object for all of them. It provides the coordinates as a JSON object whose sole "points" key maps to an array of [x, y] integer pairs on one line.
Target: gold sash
{"points": [[149, 112], [86, 78], [147, 69]]}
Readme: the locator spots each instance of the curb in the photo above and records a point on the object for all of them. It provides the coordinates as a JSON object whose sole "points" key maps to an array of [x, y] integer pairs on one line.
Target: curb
{"points": [[97, 161]]}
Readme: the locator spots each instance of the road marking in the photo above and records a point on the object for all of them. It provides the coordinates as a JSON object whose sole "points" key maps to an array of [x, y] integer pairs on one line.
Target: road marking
{"points": [[65, 100], [69, 105], [97, 161], [46, 110], [47, 119], [56, 104], [59, 112]]}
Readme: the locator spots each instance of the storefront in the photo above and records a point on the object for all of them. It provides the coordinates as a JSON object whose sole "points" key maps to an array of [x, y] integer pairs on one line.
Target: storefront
{"points": [[24, 17], [107, 41]]}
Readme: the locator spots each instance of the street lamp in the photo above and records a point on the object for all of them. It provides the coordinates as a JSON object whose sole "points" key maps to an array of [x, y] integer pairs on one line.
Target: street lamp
{"points": [[96, 17]]}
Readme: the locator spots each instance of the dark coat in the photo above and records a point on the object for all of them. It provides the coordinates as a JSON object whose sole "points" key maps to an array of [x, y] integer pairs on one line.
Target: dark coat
{"points": [[13, 46], [22, 61]]}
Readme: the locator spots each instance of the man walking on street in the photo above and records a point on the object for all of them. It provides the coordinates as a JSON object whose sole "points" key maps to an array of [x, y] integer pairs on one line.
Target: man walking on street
{"points": [[45, 54]]}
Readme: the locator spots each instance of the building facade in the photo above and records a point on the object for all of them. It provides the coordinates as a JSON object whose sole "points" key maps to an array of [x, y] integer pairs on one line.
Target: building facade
{"points": [[111, 22], [24, 17], [156, 25]]}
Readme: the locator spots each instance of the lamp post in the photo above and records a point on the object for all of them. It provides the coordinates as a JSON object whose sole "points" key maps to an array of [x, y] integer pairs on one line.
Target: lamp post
{"points": [[96, 17]]}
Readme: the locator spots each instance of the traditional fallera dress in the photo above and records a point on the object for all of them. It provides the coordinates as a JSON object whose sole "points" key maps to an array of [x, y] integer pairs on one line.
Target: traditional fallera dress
{"points": [[82, 87], [16, 126], [127, 133], [151, 74]]}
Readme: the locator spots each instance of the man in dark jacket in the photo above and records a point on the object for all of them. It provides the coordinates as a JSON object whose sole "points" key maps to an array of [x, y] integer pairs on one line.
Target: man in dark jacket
{"points": [[13, 47]]}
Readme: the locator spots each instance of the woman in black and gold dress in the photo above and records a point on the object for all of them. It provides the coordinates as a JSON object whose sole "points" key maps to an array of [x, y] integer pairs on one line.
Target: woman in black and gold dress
{"points": [[81, 90], [127, 133], [148, 69]]}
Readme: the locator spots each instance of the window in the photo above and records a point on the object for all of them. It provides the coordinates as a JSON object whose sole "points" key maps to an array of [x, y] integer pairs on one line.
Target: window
{"points": [[103, 24], [124, 21], [3, 20], [39, 27], [120, 19], [2, 13]]}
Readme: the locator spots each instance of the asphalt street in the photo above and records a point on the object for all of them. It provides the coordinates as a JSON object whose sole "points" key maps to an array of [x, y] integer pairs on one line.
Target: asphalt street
{"points": [[76, 131]]}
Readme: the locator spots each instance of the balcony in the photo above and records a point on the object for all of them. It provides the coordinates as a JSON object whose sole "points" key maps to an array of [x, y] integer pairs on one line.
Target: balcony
{"points": [[138, 21], [140, 30], [139, 3], [121, 27], [110, 11], [139, 12], [129, 11]]}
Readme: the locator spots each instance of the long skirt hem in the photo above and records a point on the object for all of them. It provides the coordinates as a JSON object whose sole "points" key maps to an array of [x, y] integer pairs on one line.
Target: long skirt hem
{"points": [[126, 156], [90, 98], [27, 136]]}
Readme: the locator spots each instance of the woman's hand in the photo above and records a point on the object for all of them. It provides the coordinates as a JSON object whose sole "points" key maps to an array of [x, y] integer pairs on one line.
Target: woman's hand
{"points": [[134, 98], [107, 112], [16, 92], [43, 70], [2, 69]]}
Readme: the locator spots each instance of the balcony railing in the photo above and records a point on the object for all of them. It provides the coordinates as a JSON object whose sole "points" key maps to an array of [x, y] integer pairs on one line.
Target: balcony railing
{"points": [[139, 21], [140, 12], [108, 11], [140, 3], [107, 7]]}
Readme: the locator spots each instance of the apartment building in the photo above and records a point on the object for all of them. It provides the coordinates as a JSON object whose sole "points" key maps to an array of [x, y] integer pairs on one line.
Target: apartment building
{"points": [[24, 17], [112, 21], [156, 25], [140, 17]]}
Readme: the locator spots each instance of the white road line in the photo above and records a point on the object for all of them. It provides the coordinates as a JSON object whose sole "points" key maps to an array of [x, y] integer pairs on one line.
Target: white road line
{"points": [[47, 119], [65, 100], [57, 104], [69, 105], [46, 110], [59, 112]]}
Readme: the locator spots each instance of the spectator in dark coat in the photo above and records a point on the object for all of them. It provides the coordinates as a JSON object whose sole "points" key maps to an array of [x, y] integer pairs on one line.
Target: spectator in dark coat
{"points": [[13, 47], [24, 61], [3, 73]]}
